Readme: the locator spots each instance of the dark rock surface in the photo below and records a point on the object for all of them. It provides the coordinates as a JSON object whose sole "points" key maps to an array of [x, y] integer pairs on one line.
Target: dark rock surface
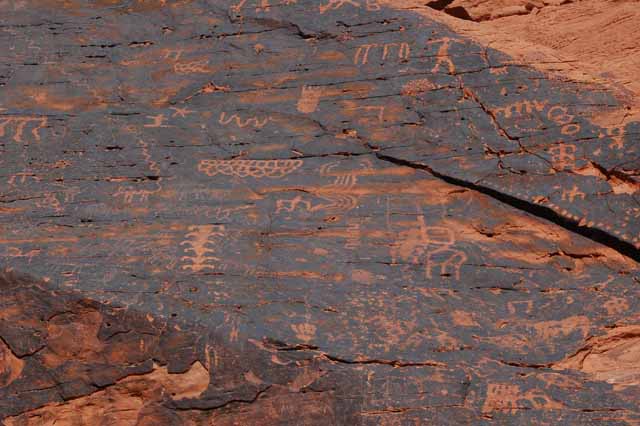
{"points": [[305, 213]]}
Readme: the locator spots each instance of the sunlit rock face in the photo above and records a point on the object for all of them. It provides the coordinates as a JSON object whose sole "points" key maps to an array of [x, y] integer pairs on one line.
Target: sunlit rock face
{"points": [[335, 212]]}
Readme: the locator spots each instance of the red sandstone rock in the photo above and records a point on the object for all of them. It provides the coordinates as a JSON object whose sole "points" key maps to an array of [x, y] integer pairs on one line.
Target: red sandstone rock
{"points": [[336, 212]]}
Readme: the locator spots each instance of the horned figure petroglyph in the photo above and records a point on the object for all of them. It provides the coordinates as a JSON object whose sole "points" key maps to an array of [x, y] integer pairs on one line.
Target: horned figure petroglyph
{"points": [[338, 194], [20, 123], [433, 243], [258, 169], [201, 243]]}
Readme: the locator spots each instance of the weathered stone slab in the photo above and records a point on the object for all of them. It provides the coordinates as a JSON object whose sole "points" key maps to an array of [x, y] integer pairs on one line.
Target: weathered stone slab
{"points": [[305, 213]]}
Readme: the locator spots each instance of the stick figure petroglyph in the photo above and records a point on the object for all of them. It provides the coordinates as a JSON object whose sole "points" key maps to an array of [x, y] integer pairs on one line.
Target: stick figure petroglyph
{"points": [[443, 57], [181, 112]]}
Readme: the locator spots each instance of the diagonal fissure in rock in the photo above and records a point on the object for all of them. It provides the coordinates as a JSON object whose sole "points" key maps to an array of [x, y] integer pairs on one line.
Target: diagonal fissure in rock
{"points": [[594, 234]]}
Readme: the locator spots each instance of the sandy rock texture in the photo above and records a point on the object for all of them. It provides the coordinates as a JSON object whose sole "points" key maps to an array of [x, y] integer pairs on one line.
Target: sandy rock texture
{"points": [[319, 212]]}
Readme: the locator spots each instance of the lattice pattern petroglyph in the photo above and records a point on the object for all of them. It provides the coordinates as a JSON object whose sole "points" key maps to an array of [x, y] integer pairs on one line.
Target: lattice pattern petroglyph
{"points": [[274, 169]]}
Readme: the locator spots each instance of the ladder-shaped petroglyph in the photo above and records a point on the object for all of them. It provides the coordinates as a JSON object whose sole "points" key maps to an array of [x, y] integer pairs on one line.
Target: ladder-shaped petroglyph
{"points": [[353, 234], [434, 246], [338, 195], [19, 124], [200, 245], [257, 169]]}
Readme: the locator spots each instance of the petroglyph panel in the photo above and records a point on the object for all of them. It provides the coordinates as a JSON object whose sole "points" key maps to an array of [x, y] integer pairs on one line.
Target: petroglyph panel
{"points": [[334, 212]]}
